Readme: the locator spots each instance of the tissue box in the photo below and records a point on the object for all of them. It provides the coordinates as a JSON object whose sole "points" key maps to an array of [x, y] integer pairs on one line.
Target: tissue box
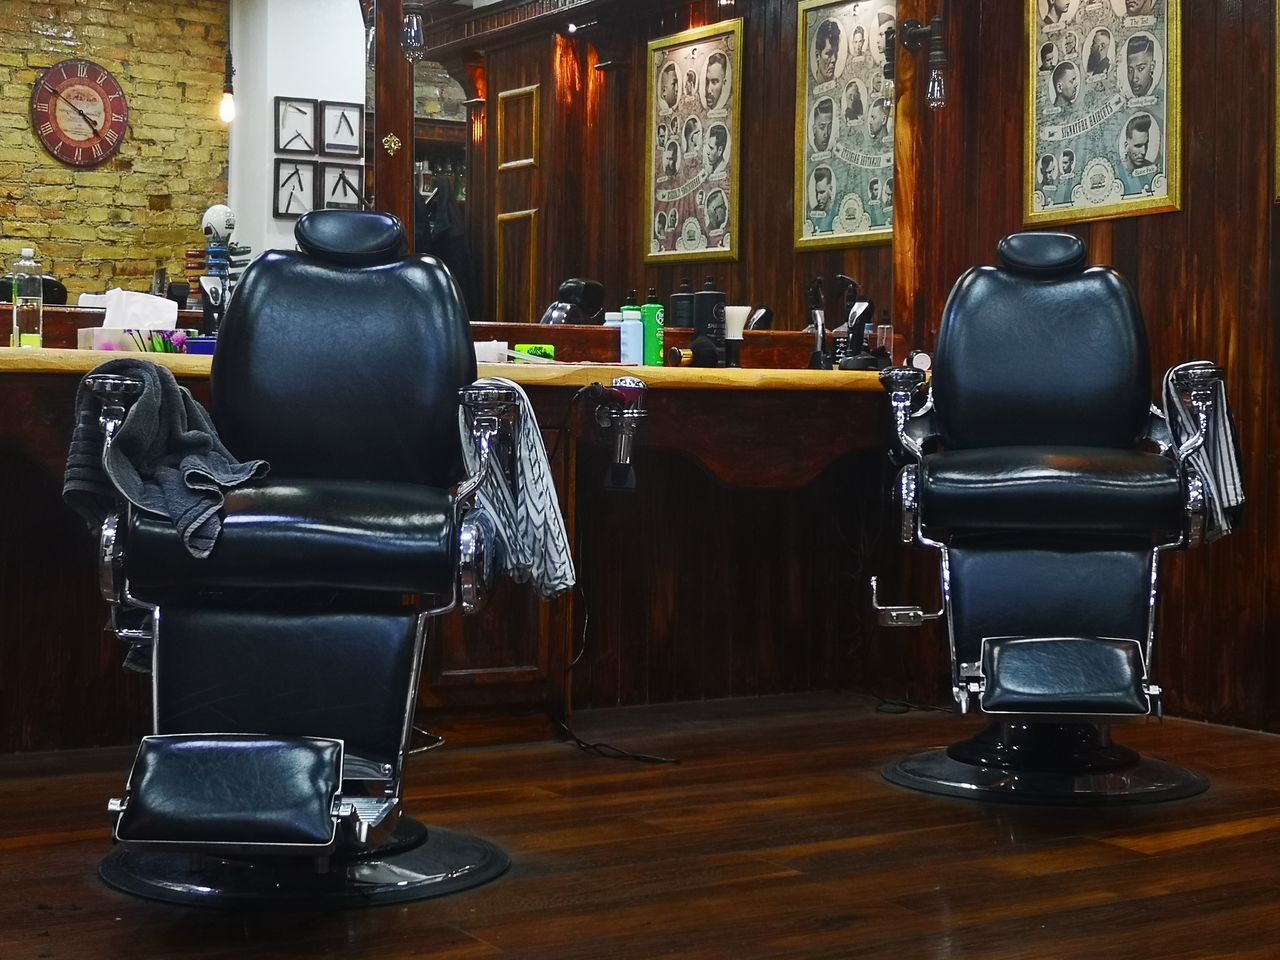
{"points": [[134, 341]]}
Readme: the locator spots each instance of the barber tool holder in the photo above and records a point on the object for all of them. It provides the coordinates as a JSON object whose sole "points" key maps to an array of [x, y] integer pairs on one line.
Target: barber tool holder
{"points": [[621, 414]]}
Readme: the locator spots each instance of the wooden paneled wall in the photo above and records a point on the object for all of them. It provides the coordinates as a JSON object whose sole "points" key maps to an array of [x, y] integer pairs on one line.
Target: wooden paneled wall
{"points": [[1205, 278], [592, 175]]}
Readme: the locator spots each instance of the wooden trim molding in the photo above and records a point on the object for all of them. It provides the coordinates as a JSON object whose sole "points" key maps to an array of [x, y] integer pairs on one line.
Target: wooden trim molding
{"points": [[505, 100], [503, 220]]}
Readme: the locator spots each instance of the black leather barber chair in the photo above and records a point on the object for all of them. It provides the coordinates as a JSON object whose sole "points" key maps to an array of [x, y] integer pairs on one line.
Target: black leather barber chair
{"points": [[285, 666], [1028, 470]]}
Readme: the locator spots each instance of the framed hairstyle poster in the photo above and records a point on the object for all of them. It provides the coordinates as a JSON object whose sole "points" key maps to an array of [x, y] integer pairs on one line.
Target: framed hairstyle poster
{"points": [[694, 109], [844, 124], [1104, 109]]}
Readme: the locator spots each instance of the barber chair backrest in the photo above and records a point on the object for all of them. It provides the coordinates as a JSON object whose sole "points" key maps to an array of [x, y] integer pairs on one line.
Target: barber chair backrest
{"points": [[344, 360], [1041, 351]]}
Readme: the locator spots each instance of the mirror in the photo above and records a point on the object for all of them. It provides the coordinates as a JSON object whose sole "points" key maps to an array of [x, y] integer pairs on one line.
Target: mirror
{"points": [[117, 221], [440, 166]]}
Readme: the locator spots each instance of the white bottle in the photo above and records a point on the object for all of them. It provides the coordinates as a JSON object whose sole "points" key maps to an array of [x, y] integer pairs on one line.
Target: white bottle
{"points": [[28, 301], [632, 335]]}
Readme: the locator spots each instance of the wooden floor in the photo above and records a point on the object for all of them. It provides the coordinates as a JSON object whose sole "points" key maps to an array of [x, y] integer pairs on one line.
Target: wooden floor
{"points": [[775, 837]]}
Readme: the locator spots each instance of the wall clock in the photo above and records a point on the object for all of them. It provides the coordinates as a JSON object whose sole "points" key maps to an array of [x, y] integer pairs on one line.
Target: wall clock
{"points": [[79, 112]]}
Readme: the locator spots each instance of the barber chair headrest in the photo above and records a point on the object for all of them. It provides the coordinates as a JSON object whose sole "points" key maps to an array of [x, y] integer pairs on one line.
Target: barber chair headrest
{"points": [[577, 301], [352, 238], [1042, 256]]}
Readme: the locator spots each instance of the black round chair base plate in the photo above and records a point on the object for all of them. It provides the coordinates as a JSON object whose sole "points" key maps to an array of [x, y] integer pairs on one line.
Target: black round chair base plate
{"points": [[1146, 781], [417, 864]]}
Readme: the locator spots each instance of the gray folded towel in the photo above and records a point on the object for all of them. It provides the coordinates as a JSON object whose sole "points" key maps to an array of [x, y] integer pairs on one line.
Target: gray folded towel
{"points": [[166, 458]]}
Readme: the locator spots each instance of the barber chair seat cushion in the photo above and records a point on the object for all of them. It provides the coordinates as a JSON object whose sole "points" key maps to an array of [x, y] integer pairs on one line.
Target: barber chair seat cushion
{"points": [[1051, 489], [393, 537]]}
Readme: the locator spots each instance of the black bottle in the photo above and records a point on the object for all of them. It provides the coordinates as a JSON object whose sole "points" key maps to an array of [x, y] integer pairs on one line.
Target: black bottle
{"points": [[708, 315], [681, 313]]}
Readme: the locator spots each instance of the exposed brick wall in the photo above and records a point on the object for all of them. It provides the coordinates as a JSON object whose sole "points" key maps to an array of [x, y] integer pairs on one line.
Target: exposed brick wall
{"points": [[113, 225]]}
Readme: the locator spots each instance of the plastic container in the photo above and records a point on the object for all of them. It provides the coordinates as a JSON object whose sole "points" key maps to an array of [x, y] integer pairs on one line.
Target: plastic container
{"points": [[28, 301]]}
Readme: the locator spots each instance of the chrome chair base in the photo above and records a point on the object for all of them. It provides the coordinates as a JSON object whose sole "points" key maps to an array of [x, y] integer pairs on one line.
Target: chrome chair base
{"points": [[1052, 764], [417, 864]]}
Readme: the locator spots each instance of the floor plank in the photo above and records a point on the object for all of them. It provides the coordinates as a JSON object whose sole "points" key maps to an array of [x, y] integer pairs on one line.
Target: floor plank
{"points": [[774, 837]]}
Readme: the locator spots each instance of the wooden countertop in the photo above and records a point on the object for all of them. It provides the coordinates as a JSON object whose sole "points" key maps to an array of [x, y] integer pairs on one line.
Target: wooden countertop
{"points": [[529, 375]]}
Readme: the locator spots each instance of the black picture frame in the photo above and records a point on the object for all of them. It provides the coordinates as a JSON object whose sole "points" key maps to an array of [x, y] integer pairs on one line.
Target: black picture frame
{"points": [[281, 114], [355, 175], [282, 165], [354, 115]]}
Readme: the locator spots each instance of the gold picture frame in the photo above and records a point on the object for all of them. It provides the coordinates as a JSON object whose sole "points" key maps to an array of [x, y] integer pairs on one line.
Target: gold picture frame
{"points": [[844, 156], [1086, 60], [693, 144]]}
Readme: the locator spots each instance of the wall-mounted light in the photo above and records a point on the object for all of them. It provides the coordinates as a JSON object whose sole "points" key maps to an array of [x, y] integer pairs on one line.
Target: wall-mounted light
{"points": [[227, 106], [914, 37], [890, 89], [414, 37]]}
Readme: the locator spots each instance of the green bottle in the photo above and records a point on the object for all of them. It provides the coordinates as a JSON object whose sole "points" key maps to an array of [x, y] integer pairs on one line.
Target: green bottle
{"points": [[654, 319]]}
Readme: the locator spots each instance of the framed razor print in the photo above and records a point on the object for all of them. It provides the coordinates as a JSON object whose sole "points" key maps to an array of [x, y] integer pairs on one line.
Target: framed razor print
{"points": [[1104, 109], [341, 129], [296, 123], [340, 186], [295, 188], [695, 99], [844, 124]]}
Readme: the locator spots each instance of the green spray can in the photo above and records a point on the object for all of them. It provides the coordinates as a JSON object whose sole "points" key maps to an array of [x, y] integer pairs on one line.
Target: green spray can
{"points": [[654, 319]]}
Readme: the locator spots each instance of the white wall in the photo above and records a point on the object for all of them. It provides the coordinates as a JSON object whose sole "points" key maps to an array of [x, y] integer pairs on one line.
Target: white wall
{"points": [[283, 48]]}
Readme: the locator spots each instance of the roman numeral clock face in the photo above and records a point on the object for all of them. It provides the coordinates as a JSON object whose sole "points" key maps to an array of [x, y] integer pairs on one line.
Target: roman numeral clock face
{"points": [[79, 113]]}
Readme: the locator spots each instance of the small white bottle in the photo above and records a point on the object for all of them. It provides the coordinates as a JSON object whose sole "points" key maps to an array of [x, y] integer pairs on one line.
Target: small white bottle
{"points": [[632, 332]]}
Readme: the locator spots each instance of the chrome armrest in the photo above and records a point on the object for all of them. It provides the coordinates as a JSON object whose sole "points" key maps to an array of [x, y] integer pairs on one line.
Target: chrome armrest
{"points": [[492, 416], [116, 395], [131, 619], [1197, 384], [902, 384]]}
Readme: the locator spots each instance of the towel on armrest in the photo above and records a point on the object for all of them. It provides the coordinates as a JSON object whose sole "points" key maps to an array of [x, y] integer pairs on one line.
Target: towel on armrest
{"points": [[533, 544], [166, 458], [1217, 462]]}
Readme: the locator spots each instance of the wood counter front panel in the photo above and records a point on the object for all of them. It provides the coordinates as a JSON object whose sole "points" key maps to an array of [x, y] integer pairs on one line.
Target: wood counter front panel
{"points": [[692, 587]]}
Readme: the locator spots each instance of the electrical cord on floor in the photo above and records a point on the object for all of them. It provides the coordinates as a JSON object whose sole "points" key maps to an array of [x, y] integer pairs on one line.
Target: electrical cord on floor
{"points": [[906, 706], [608, 750], [599, 749]]}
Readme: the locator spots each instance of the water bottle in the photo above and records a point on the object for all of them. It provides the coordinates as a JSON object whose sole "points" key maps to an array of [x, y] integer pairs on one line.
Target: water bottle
{"points": [[28, 301]]}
